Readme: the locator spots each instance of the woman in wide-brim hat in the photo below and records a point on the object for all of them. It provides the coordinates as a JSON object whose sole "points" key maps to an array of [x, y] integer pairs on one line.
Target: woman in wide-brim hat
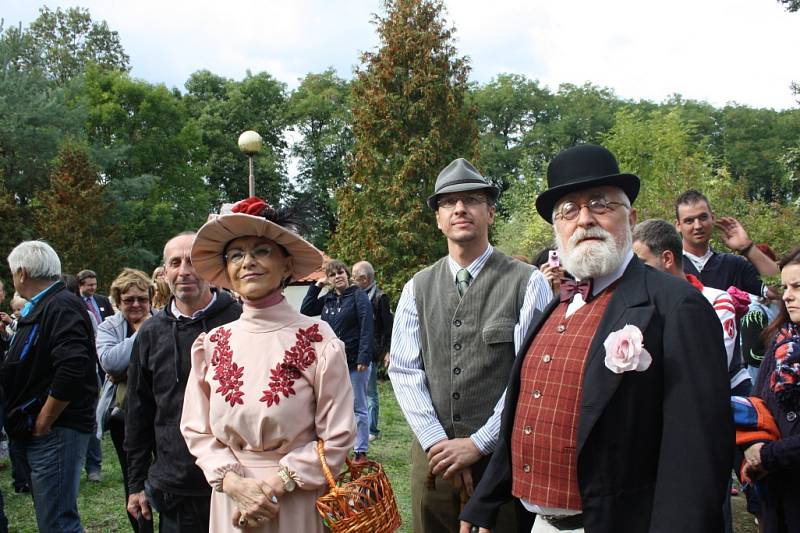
{"points": [[265, 387]]}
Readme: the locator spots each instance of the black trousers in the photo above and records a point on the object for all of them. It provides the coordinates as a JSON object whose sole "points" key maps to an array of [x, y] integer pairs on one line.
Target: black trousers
{"points": [[178, 513], [116, 428]]}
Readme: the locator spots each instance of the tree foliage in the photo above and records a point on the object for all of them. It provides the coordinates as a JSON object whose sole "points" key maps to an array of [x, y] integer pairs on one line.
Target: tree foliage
{"points": [[664, 150], [410, 120], [61, 43], [73, 214], [223, 109], [319, 111], [508, 108], [34, 118]]}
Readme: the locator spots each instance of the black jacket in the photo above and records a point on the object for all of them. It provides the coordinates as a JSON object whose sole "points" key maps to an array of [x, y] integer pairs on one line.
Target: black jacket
{"points": [[383, 321], [653, 448], [52, 353], [350, 317], [157, 375]]}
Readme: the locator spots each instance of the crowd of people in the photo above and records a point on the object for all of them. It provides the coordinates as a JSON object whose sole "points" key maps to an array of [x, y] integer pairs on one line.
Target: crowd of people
{"points": [[613, 384]]}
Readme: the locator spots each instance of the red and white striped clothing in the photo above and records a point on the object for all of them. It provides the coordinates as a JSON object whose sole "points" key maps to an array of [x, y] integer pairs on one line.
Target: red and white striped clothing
{"points": [[723, 306]]}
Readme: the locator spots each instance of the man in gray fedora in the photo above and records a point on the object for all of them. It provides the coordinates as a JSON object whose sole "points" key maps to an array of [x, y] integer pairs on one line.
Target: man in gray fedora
{"points": [[457, 327]]}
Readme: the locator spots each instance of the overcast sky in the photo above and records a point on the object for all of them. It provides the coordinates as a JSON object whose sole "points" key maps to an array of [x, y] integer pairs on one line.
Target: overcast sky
{"points": [[721, 51]]}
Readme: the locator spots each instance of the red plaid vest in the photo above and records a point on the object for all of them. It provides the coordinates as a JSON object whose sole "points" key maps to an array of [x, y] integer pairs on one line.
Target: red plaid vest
{"points": [[543, 456]]}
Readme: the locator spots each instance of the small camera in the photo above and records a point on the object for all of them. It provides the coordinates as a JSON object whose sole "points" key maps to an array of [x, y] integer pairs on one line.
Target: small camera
{"points": [[553, 259]]}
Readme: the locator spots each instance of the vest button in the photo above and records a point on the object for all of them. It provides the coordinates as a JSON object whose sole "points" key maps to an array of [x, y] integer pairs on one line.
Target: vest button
{"points": [[561, 328], [547, 358], [456, 418], [526, 468], [527, 430], [456, 371], [456, 346], [456, 396], [791, 416], [537, 393], [457, 323]]}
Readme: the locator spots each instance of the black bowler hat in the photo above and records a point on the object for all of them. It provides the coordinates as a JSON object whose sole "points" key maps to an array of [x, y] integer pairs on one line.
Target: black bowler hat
{"points": [[582, 167], [460, 176]]}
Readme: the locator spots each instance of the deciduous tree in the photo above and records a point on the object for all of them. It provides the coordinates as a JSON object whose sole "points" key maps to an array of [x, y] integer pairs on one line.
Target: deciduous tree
{"points": [[319, 111]]}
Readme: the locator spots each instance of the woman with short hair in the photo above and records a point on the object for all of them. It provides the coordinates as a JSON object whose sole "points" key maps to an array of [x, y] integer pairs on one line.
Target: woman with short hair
{"points": [[131, 293]]}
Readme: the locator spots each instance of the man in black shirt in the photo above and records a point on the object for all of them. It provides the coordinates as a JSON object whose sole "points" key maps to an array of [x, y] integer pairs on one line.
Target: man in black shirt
{"points": [[50, 385], [695, 221], [161, 471]]}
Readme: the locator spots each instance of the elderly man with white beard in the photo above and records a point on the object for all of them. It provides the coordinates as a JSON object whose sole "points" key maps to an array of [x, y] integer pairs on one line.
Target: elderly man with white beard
{"points": [[617, 418]]}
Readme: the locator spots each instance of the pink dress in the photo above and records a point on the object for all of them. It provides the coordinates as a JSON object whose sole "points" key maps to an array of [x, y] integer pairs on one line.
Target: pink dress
{"points": [[261, 391]]}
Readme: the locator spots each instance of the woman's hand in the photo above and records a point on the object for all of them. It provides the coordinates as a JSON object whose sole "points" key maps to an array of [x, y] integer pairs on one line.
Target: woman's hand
{"points": [[321, 282], [256, 500], [753, 466], [138, 324]]}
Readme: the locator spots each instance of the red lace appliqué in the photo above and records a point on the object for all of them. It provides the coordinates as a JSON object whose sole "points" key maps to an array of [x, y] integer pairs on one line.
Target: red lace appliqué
{"points": [[295, 360], [226, 371]]}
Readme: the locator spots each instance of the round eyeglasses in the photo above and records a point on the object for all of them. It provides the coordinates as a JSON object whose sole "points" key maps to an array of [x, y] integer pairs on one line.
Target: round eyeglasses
{"points": [[597, 206]]}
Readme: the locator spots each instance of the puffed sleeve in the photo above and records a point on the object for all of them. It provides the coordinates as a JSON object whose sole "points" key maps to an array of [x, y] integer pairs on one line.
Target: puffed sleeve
{"points": [[213, 457], [334, 420]]}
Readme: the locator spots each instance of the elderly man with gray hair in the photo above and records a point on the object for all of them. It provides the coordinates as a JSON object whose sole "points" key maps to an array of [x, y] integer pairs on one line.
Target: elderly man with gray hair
{"points": [[49, 384], [382, 320]]}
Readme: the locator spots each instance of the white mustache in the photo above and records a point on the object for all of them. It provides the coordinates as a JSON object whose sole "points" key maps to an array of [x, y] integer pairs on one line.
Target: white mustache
{"points": [[594, 232]]}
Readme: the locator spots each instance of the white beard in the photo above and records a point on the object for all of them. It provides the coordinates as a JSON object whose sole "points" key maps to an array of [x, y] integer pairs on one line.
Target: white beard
{"points": [[593, 258]]}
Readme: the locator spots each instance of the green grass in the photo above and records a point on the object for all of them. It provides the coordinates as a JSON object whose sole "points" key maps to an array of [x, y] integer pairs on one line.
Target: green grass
{"points": [[102, 508]]}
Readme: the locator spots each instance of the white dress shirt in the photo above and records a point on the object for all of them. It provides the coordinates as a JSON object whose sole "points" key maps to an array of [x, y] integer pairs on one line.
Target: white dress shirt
{"points": [[406, 368]]}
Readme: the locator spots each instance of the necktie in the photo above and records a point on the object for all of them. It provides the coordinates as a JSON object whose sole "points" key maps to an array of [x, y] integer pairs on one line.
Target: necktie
{"points": [[569, 287], [91, 308], [462, 281]]}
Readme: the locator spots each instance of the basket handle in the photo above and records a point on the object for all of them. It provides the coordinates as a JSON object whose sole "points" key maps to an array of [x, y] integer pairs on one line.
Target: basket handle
{"points": [[325, 468]]}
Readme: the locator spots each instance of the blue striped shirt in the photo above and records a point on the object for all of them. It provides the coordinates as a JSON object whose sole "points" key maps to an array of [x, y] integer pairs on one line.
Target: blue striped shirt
{"points": [[408, 375]]}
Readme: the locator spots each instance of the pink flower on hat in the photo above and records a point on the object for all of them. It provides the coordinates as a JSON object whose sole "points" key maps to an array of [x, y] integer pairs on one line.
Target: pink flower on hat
{"points": [[251, 206], [625, 351]]}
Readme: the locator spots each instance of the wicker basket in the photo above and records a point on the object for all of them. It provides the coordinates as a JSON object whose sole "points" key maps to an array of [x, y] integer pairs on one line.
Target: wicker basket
{"points": [[360, 500]]}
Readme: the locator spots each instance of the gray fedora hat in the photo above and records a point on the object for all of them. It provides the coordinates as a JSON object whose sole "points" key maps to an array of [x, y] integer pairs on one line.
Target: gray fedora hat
{"points": [[460, 176]]}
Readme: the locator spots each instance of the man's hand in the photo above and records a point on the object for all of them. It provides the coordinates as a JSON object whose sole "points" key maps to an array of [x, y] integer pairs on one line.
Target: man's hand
{"points": [[362, 368], [386, 359], [733, 234], [43, 424], [5, 318], [447, 457], [463, 479], [466, 527], [137, 504]]}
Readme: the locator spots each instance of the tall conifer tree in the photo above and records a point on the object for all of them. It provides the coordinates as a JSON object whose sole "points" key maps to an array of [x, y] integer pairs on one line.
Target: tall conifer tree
{"points": [[73, 215], [410, 119]]}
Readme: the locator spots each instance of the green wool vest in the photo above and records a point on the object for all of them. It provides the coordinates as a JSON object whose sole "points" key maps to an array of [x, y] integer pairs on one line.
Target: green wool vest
{"points": [[468, 343]]}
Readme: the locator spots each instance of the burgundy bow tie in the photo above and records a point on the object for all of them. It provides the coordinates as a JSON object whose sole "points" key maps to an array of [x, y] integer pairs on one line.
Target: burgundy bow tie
{"points": [[569, 287]]}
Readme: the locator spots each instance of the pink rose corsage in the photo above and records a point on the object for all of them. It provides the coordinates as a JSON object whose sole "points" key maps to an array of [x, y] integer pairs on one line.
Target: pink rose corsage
{"points": [[625, 352]]}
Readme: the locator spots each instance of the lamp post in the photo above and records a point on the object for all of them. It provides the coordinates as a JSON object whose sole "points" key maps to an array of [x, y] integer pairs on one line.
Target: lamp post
{"points": [[250, 144]]}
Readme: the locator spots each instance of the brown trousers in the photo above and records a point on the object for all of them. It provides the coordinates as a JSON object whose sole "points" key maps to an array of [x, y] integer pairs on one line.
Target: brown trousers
{"points": [[436, 510]]}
